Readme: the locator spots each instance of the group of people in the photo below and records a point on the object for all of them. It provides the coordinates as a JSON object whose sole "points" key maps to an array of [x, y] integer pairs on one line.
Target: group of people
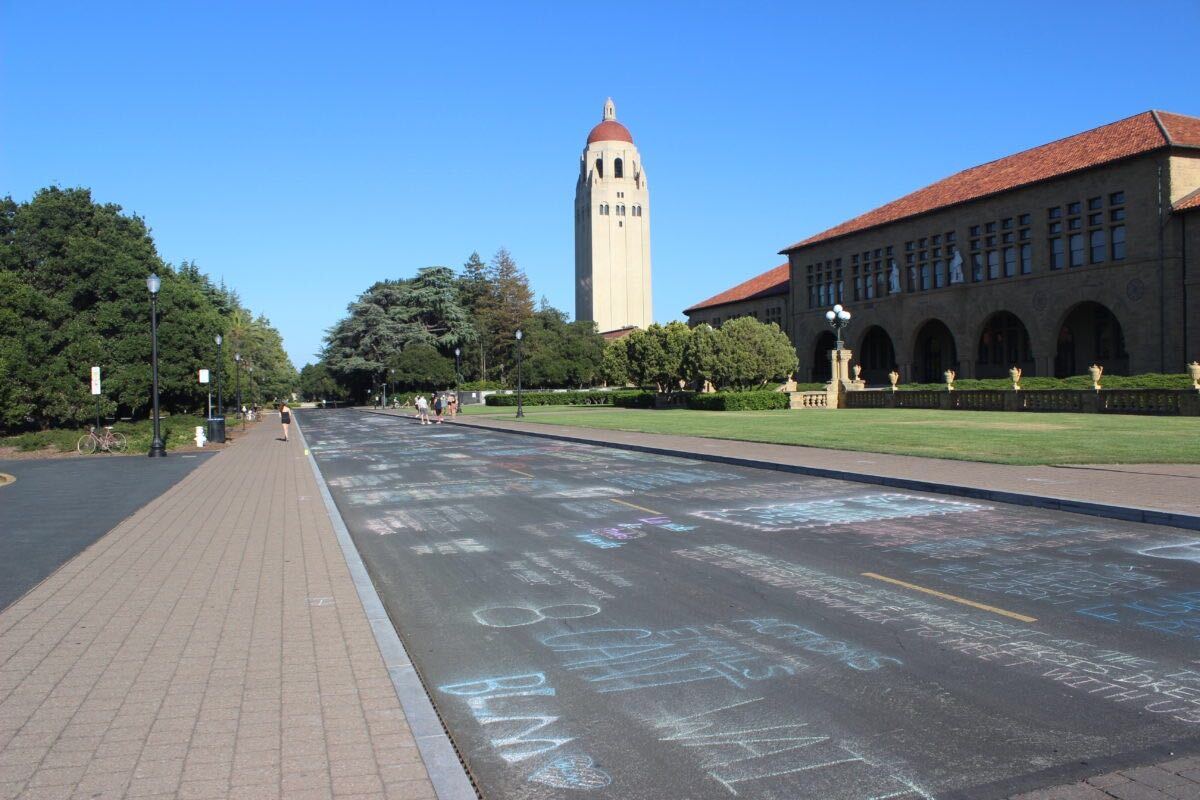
{"points": [[443, 404]]}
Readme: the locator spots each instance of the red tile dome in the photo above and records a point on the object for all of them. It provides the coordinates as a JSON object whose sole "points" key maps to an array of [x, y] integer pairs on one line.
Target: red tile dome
{"points": [[609, 131]]}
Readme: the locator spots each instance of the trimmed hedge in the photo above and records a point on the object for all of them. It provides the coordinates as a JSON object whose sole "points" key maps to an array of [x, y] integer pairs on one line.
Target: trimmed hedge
{"points": [[1150, 380], [553, 399], [633, 399], [762, 400]]}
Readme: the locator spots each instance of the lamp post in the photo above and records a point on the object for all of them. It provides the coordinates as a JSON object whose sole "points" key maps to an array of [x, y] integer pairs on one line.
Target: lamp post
{"points": [[457, 366], [520, 408], [250, 379], [237, 360], [392, 381], [154, 283], [220, 403], [385, 388], [838, 319]]}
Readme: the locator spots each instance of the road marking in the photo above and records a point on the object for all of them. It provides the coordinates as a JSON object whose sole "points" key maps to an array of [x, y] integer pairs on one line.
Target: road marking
{"points": [[954, 598], [639, 508], [6, 479], [519, 472]]}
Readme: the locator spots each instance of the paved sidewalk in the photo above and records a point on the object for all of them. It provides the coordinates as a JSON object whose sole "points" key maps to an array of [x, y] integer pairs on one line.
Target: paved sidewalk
{"points": [[1154, 493], [212, 645]]}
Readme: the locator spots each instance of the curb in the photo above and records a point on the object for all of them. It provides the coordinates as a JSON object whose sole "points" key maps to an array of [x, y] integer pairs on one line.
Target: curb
{"points": [[446, 771], [1148, 516]]}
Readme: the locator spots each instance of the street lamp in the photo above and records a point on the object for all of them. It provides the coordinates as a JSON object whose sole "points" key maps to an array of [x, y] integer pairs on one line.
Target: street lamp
{"points": [[457, 366], [154, 283], [392, 381], [220, 404], [237, 360], [520, 408], [250, 383], [838, 319]]}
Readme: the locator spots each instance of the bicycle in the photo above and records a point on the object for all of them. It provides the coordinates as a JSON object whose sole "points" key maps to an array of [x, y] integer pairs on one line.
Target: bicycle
{"points": [[108, 442]]}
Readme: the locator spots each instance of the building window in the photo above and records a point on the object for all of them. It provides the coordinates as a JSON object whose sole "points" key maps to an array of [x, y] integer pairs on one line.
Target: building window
{"points": [[1026, 259], [604, 208], [1023, 234], [976, 267], [1054, 213], [1074, 224], [925, 282], [1006, 224], [1073, 208], [1117, 215], [1076, 249], [939, 275], [1116, 199], [1098, 251], [1056, 253], [1055, 228], [773, 314], [599, 168], [618, 169], [993, 259], [1096, 219], [974, 230], [1095, 203], [1118, 243], [1010, 262], [1024, 219]]}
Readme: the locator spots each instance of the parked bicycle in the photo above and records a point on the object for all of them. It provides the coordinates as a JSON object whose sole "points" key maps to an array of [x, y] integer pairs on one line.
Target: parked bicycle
{"points": [[109, 441]]}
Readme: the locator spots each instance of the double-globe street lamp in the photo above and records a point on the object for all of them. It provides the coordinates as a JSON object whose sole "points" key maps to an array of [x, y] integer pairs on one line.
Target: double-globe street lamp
{"points": [[154, 283], [457, 366], [237, 360], [520, 409], [838, 318], [220, 403]]}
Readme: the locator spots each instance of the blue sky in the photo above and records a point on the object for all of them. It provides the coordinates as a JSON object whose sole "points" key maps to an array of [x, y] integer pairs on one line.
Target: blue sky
{"points": [[301, 151]]}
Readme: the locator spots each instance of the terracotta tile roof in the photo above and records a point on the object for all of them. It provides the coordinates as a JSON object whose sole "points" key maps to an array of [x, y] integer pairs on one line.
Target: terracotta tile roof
{"points": [[618, 333], [1187, 202], [773, 281], [1138, 134]]}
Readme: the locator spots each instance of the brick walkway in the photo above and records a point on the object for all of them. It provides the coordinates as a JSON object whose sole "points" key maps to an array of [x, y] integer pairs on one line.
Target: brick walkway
{"points": [[212, 645]]}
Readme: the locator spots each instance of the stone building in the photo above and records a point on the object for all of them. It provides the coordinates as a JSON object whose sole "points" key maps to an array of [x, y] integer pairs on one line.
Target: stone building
{"points": [[612, 230], [764, 297], [1084, 250]]}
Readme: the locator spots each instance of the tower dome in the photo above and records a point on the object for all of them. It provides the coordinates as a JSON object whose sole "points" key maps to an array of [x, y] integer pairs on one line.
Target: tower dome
{"points": [[609, 130]]}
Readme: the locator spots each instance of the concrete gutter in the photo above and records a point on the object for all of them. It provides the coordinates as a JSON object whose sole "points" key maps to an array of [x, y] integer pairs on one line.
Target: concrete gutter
{"points": [[442, 762]]}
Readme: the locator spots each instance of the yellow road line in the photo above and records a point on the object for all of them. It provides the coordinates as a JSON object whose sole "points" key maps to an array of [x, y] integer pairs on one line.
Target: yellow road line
{"points": [[639, 508], [954, 598], [6, 479], [526, 474]]}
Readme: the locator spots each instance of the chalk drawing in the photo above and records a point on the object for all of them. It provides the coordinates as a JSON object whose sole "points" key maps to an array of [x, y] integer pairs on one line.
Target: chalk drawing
{"points": [[1089, 669], [1188, 551], [778, 760], [455, 547], [572, 772], [445, 518], [515, 616], [1049, 580], [580, 562], [853, 656], [511, 709], [568, 576], [843, 511], [627, 659], [1175, 613]]}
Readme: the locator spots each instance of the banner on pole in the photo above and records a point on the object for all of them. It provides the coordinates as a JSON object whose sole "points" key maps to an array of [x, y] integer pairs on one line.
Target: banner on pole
{"points": [[204, 376], [95, 380]]}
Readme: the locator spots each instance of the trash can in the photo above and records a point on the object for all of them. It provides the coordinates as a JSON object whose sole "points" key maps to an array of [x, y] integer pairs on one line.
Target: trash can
{"points": [[216, 429]]}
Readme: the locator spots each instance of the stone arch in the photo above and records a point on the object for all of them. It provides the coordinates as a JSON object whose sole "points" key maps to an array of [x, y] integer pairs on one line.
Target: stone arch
{"points": [[934, 351], [1003, 342], [1090, 333], [822, 369], [876, 354]]}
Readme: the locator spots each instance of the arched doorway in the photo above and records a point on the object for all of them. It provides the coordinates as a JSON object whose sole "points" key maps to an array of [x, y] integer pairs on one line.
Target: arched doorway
{"points": [[1090, 334], [822, 370], [934, 352], [877, 356], [1003, 343]]}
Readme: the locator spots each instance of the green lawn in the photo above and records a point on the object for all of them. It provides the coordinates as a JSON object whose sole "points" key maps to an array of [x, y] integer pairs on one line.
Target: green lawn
{"points": [[177, 431], [999, 437]]}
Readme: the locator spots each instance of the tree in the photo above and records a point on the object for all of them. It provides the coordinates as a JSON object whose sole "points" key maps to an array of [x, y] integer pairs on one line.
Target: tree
{"points": [[614, 368], [421, 366], [751, 354], [317, 384], [558, 353], [700, 360], [656, 355], [511, 303], [475, 292]]}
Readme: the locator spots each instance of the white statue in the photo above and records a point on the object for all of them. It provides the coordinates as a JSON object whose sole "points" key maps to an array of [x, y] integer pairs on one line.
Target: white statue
{"points": [[894, 279], [956, 273]]}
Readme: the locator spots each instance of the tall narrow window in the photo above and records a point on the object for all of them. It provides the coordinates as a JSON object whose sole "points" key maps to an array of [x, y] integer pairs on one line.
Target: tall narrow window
{"points": [[1118, 243], [977, 267], [618, 169], [599, 167], [939, 275], [1026, 259], [1076, 250], [1056, 253], [1098, 247], [993, 259], [1010, 262]]}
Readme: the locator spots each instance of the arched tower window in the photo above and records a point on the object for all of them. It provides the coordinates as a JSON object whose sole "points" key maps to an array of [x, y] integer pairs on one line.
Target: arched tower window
{"points": [[599, 167], [618, 169]]}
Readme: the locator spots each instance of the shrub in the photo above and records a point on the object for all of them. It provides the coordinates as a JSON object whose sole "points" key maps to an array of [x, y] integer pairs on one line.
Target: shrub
{"points": [[633, 399], [552, 399], [761, 400]]}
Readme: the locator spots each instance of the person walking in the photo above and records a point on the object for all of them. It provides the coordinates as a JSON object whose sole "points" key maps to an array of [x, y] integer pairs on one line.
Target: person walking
{"points": [[285, 418], [439, 404], [423, 409]]}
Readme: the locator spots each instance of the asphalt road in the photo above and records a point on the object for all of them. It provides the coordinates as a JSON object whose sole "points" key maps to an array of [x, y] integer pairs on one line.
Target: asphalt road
{"points": [[593, 621], [59, 506]]}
